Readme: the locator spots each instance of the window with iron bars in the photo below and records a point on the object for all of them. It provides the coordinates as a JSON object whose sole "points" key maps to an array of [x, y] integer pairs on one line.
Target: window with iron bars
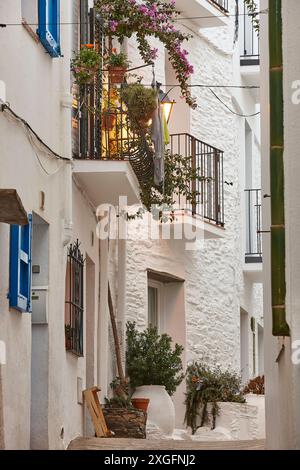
{"points": [[74, 300]]}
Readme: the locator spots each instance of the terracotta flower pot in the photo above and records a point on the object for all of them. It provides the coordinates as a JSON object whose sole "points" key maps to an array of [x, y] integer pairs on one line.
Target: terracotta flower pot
{"points": [[116, 74], [140, 403], [108, 121]]}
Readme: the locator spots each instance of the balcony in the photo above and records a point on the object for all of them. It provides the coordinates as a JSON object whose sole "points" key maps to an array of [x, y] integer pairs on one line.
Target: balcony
{"points": [[221, 4], [205, 13], [110, 159], [253, 255], [208, 207], [249, 48]]}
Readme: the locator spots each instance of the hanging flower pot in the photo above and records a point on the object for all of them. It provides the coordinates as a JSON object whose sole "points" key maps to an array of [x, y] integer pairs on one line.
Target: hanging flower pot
{"points": [[85, 75], [85, 65], [116, 75], [117, 65], [141, 103]]}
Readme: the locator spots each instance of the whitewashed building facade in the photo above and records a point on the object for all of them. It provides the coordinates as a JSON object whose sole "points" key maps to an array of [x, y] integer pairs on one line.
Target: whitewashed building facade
{"points": [[206, 297]]}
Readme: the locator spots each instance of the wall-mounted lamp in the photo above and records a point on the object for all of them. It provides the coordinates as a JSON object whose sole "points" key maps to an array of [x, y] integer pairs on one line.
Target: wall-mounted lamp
{"points": [[166, 103]]}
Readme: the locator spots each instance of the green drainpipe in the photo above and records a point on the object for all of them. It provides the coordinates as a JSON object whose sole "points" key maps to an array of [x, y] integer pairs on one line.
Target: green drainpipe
{"points": [[280, 326]]}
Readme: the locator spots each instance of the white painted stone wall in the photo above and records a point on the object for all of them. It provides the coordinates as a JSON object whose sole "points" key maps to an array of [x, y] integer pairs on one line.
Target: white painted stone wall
{"points": [[214, 287]]}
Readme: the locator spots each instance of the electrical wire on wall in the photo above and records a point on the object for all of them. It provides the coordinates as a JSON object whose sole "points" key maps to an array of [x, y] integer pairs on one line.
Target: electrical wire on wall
{"points": [[179, 18], [35, 140]]}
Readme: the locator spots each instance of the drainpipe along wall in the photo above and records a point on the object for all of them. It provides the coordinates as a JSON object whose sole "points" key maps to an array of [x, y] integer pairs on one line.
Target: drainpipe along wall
{"points": [[280, 326]]}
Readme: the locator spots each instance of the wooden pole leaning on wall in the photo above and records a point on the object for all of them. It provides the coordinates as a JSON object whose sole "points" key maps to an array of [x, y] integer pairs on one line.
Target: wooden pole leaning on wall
{"points": [[116, 341]]}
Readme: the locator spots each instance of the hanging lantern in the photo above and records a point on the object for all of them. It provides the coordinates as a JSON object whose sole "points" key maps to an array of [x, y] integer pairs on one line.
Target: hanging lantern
{"points": [[166, 104]]}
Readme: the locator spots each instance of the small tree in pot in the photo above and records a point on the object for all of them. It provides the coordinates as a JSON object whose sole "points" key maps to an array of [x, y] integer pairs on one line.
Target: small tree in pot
{"points": [[155, 370]]}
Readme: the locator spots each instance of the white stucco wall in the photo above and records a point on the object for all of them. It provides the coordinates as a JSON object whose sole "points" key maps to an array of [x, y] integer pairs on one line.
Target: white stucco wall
{"points": [[215, 287], [282, 376], [37, 88], [206, 312]]}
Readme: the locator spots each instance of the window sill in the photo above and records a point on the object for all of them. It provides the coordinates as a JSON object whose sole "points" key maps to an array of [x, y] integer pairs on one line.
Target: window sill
{"points": [[30, 31]]}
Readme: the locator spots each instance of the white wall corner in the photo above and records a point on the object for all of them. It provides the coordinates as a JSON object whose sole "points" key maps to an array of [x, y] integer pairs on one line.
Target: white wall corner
{"points": [[2, 91], [67, 232], [66, 100]]}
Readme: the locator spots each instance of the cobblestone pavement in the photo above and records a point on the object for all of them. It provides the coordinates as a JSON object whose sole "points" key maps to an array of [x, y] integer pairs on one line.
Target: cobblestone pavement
{"points": [[147, 444]]}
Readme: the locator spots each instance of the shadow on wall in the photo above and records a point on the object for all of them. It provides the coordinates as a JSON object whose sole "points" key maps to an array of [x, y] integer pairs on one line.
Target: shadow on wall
{"points": [[1, 413]]}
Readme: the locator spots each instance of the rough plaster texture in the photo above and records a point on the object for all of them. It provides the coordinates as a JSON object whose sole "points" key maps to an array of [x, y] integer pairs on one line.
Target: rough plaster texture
{"points": [[215, 286], [207, 322]]}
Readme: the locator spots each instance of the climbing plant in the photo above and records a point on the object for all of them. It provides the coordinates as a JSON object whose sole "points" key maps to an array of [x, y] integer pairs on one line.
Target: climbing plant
{"points": [[179, 176], [150, 18], [253, 11]]}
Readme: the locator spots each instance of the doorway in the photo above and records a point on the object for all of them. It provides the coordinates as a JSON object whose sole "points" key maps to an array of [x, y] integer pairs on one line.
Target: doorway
{"points": [[244, 346], [40, 334]]}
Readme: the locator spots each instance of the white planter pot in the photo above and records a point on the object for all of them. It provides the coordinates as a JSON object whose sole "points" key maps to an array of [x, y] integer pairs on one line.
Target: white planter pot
{"points": [[161, 411]]}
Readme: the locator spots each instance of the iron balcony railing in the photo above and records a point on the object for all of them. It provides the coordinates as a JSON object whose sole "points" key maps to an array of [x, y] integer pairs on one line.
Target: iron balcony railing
{"points": [[253, 226], [209, 188], [250, 53], [102, 129], [221, 4]]}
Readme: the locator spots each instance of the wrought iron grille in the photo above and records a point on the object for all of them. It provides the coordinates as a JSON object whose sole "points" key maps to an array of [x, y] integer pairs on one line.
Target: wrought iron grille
{"points": [[208, 162], [74, 300], [105, 129], [250, 53], [222, 4], [253, 226]]}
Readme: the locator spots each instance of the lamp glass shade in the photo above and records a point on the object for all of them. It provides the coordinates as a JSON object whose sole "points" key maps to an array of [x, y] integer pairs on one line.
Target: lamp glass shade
{"points": [[167, 104], [167, 108]]}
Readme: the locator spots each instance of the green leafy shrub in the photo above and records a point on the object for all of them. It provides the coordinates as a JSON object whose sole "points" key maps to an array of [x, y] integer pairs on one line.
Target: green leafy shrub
{"points": [[209, 385], [151, 359]]}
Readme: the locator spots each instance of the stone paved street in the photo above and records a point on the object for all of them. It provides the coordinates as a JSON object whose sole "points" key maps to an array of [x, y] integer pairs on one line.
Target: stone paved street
{"points": [[141, 444]]}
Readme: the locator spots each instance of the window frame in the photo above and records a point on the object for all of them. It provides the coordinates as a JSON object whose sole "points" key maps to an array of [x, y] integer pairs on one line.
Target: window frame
{"points": [[20, 267], [74, 300], [49, 26], [159, 286]]}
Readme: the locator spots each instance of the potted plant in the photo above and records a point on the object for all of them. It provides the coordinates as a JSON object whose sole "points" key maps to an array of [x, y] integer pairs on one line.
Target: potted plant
{"points": [[141, 103], [255, 386], [255, 396], [109, 111], [85, 65], [117, 64], [206, 389], [121, 416], [140, 403], [154, 368], [108, 120]]}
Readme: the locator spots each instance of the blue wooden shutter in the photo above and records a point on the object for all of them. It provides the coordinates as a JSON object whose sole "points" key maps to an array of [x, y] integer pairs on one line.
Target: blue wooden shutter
{"points": [[20, 267], [49, 26]]}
